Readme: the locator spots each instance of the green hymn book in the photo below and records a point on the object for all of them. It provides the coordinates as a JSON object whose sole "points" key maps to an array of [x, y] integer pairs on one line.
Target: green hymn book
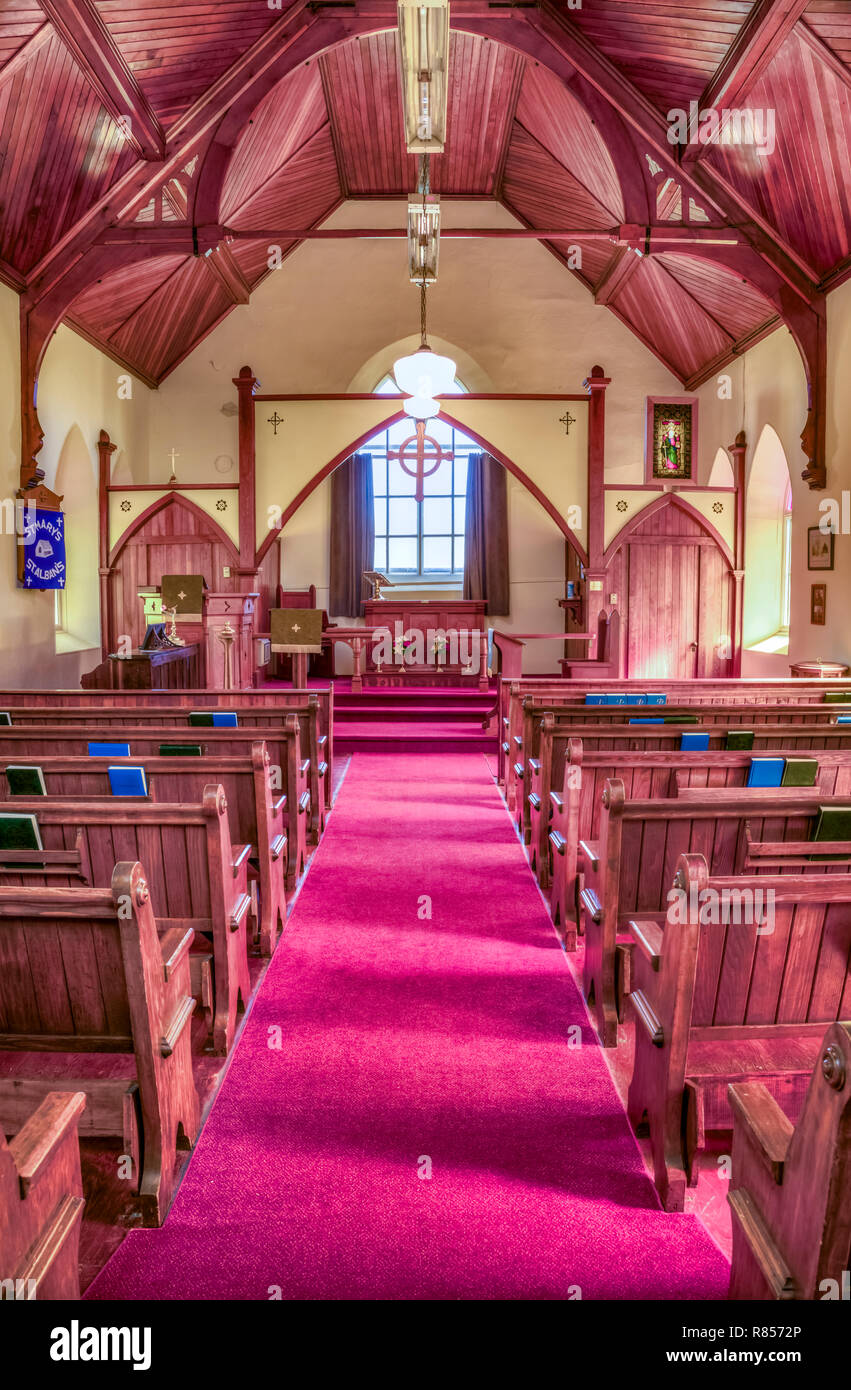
{"points": [[25, 780]]}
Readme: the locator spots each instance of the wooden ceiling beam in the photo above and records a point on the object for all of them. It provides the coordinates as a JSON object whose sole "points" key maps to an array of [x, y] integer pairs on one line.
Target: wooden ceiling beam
{"points": [[27, 51], [292, 39], [762, 35], [222, 264], [664, 236], [513, 103], [334, 125], [822, 51], [82, 30], [559, 34], [617, 274]]}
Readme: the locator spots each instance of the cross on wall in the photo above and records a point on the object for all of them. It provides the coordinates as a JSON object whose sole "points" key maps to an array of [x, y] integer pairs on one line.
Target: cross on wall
{"points": [[275, 420], [427, 451], [567, 420]]}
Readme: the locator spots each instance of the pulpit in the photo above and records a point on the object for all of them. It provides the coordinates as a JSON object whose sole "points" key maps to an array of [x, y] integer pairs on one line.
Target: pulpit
{"points": [[431, 642], [222, 627]]}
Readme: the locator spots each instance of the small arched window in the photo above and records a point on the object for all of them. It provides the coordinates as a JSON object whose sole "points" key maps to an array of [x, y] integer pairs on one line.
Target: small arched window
{"points": [[786, 603], [768, 547]]}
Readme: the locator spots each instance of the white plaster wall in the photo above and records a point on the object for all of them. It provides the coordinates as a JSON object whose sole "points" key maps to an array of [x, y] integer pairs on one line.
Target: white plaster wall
{"points": [[78, 395]]}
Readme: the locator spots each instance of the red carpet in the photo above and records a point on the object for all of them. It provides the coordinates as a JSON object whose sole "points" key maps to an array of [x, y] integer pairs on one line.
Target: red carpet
{"points": [[408, 1043]]}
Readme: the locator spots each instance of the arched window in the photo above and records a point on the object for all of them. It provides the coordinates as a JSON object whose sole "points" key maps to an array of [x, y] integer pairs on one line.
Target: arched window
{"points": [[768, 547], [786, 604]]}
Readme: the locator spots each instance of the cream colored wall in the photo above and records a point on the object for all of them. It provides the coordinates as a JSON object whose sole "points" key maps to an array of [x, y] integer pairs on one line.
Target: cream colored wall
{"points": [[337, 314], [768, 386], [78, 395]]}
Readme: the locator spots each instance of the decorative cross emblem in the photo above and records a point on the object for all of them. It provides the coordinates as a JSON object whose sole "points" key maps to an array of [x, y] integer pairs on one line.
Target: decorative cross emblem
{"points": [[567, 420], [427, 451], [181, 596], [296, 627], [275, 420]]}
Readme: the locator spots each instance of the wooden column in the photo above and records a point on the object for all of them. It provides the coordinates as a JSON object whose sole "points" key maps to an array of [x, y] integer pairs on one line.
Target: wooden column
{"points": [[595, 573], [738, 451], [246, 384], [105, 451]]}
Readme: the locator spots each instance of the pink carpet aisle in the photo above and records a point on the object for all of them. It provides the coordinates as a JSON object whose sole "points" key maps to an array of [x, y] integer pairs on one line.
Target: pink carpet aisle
{"points": [[409, 1043]]}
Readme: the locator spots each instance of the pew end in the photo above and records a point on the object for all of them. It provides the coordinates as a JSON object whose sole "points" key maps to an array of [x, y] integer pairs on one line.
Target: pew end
{"points": [[791, 1184], [41, 1203]]}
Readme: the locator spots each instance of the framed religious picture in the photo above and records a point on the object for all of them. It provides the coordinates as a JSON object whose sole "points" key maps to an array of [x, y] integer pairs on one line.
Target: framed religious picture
{"points": [[818, 604], [671, 447], [819, 548]]}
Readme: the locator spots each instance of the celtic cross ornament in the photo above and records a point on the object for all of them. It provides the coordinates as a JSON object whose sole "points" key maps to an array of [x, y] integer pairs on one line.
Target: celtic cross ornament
{"points": [[427, 451]]}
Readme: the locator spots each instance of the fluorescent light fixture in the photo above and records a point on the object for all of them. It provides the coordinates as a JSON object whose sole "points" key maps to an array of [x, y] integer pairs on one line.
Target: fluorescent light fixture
{"points": [[423, 238], [424, 54]]}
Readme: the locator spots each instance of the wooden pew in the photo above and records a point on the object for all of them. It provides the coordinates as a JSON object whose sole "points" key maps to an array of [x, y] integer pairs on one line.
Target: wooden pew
{"points": [[84, 970], [567, 781], [265, 705], [526, 742], [30, 743], [41, 1203], [743, 997], [551, 691], [791, 1184], [256, 814], [51, 868], [627, 869], [314, 743], [196, 878]]}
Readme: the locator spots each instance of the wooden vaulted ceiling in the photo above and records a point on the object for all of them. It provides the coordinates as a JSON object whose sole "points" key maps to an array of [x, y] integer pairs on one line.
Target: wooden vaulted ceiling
{"points": [[572, 144]]}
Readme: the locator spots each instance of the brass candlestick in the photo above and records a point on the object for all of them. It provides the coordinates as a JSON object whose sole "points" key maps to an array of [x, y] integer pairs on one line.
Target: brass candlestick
{"points": [[172, 630]]}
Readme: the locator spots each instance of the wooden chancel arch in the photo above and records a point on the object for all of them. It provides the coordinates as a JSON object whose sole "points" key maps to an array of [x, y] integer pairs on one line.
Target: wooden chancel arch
{"points": [[172, 536], [352, 448], [676, 588]]}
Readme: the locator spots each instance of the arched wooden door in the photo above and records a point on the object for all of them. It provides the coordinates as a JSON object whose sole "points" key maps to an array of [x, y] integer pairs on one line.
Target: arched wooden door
{"points": [[174, 537], [678, 595]]}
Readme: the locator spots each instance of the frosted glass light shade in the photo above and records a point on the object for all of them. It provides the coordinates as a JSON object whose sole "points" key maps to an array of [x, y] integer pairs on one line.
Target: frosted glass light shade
{"points": [[421, 407], [424, 373]]}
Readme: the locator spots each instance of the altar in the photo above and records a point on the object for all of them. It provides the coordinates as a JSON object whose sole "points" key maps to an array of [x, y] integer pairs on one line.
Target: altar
{"points": [[426, 642]]}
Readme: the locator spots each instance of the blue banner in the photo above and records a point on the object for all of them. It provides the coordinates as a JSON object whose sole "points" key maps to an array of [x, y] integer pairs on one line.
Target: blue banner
{"points": [[43, 538]]}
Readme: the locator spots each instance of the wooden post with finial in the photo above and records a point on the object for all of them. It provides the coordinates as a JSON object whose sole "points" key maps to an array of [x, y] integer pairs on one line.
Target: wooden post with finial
{"points": [[246, 385], [738, 451], [595, 384], [106, 449]]}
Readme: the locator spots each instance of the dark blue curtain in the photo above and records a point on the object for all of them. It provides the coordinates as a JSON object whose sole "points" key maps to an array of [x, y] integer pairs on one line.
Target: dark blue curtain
{"points": [[352, 534]]}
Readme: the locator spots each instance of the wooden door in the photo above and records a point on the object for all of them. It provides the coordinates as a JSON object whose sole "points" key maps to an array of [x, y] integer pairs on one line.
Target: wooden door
{"points": [[663, 629], [679, 600], [177, 539]]}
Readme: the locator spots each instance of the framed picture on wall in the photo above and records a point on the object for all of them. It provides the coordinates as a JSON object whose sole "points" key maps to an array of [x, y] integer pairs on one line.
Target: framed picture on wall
{"points": [[819, 548], [671, 446], [818, 604]]}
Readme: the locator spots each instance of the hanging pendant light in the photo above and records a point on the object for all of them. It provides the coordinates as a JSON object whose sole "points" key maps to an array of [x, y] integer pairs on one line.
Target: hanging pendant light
{"points": [[421, 407]]}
